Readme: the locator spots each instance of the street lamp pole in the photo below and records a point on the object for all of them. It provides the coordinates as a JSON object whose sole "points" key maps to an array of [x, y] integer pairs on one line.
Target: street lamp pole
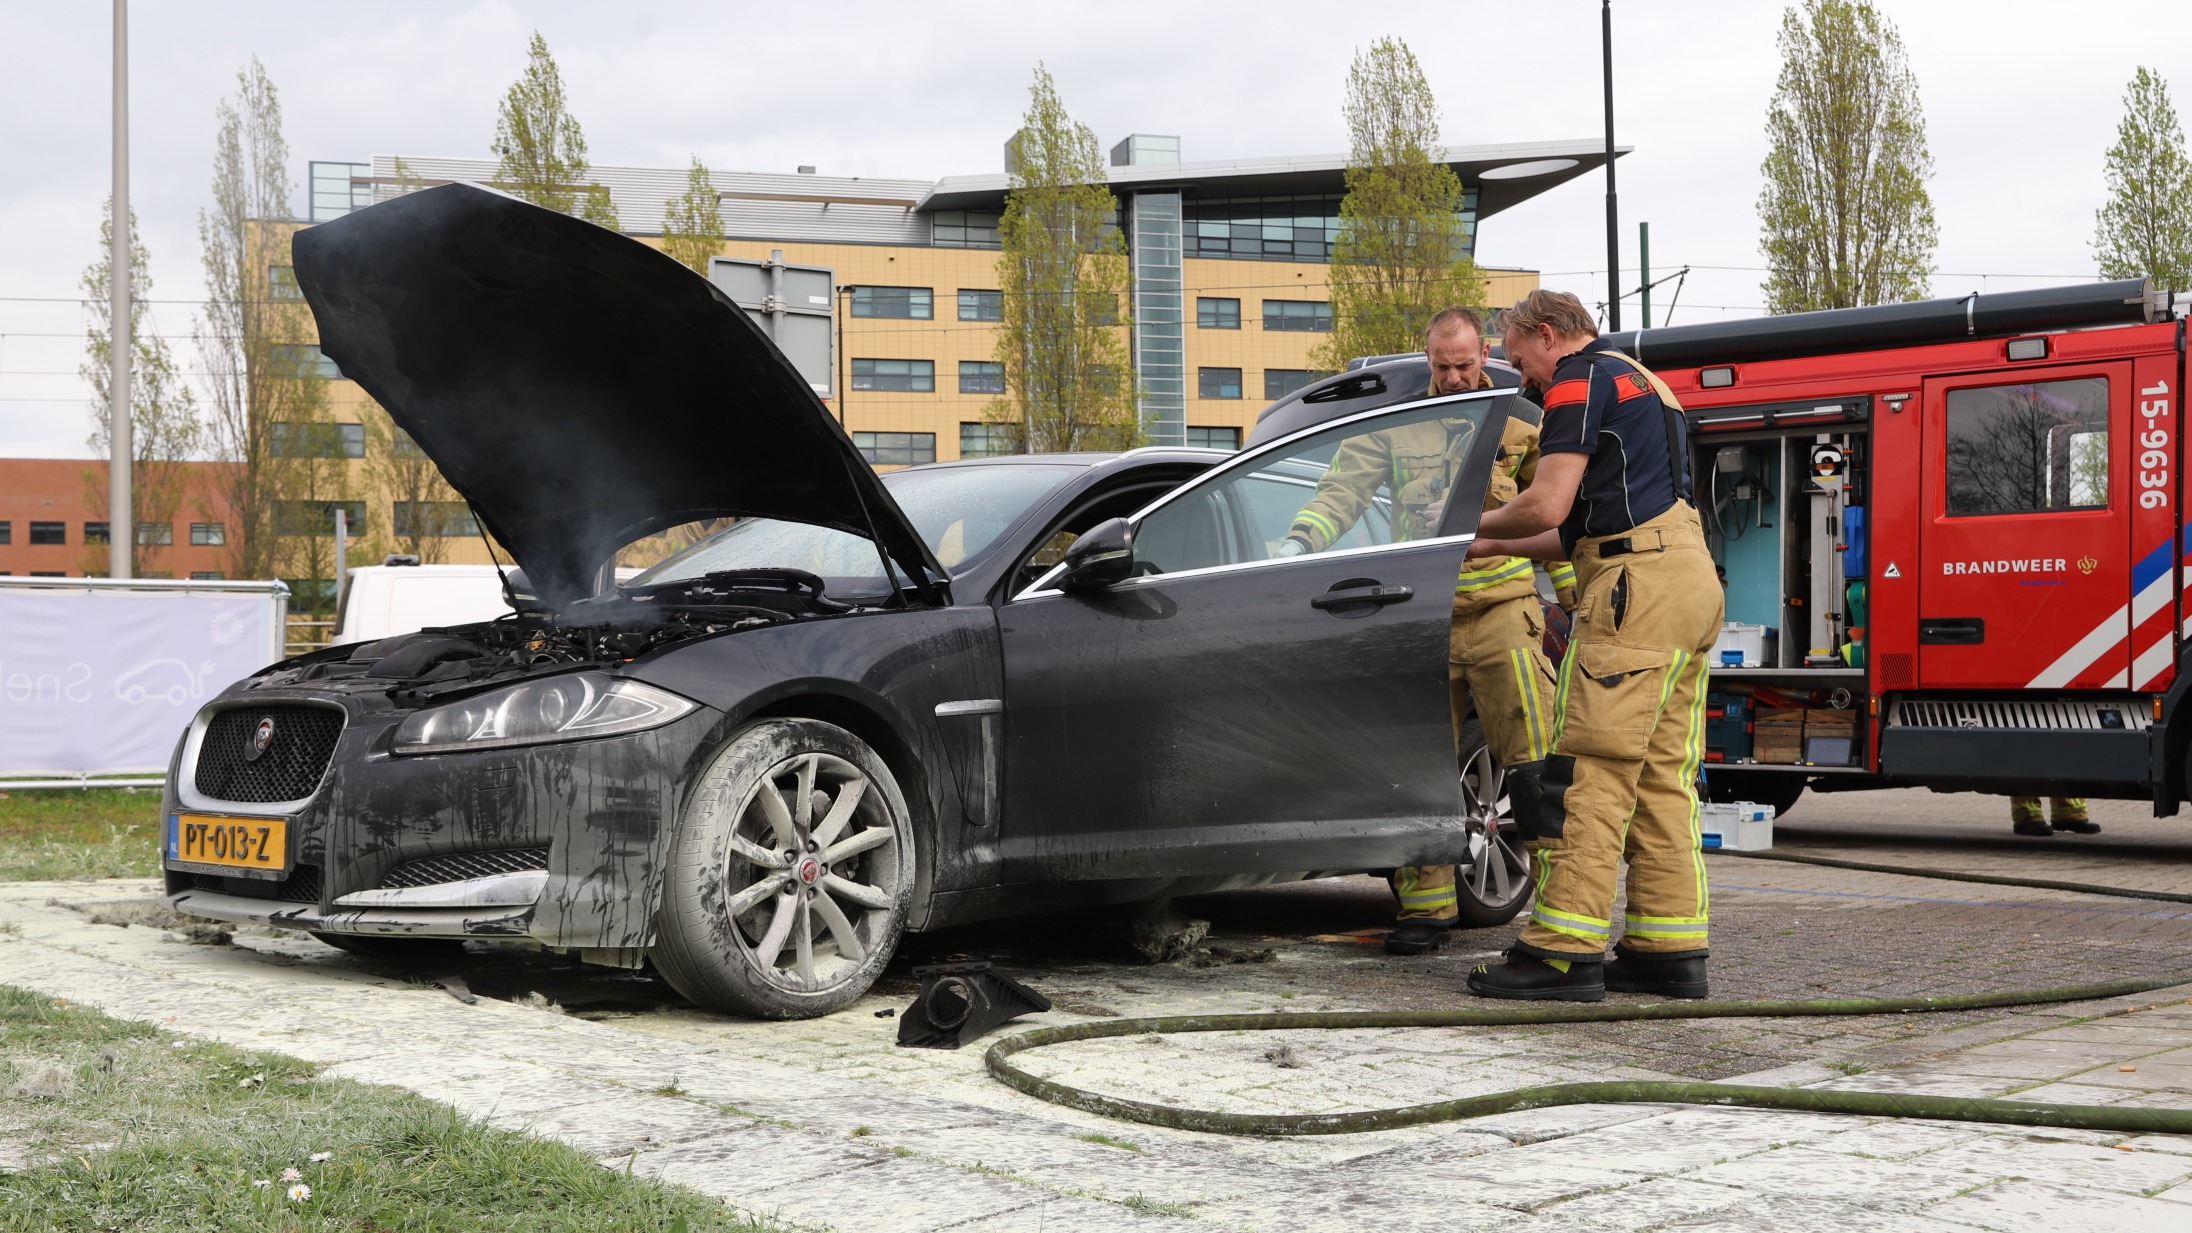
{"points": [[1613, 208], [844, 366], [121, 517]]}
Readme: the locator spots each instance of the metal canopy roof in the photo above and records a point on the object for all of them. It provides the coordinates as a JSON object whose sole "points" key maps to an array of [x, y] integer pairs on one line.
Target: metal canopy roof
{"points": [[1317, 175]]}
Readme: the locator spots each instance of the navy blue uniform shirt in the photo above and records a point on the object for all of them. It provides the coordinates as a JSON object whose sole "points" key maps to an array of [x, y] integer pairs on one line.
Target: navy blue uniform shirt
{"points": [[1600, 406]]}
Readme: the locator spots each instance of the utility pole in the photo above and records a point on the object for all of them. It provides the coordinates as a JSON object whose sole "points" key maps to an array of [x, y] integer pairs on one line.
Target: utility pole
{"points": [[1613, 209], [121, 512], [1644, 270]]}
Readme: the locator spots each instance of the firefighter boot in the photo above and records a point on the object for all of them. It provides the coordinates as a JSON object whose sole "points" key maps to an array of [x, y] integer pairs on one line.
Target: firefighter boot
{"points": [[1629, 972], [2067, 813], [1527, 978], [1418, 937]]}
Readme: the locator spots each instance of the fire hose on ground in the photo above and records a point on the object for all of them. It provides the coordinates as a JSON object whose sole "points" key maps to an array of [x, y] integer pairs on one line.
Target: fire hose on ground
{"points": [[2109, 1118]]}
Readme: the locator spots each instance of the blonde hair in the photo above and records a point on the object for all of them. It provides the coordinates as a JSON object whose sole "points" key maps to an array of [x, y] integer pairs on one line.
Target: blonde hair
{"points": [[1558, 309]]}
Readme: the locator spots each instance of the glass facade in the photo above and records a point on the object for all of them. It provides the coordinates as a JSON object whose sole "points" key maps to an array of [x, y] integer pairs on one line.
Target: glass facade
{"points": [[896, 449], [1160, 345], [965, 228], [1299, 316], [1284, 228], [335, 191], [976, 305], [895, 376], [896, 303]]}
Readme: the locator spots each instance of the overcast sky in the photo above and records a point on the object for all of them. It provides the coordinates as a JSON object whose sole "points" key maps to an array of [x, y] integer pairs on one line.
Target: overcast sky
{"points": [[2021, 101]]}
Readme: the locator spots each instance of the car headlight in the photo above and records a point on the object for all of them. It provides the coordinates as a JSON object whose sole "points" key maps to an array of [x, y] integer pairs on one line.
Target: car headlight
{"points": [[558, 708]]}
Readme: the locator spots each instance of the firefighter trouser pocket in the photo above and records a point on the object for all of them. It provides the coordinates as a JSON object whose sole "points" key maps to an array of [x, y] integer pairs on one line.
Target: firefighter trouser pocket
{"points": [[1610, 699]]}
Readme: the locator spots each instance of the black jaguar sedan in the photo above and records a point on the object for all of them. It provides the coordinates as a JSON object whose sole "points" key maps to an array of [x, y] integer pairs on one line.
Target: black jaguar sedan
{"points": [[863, 705]]}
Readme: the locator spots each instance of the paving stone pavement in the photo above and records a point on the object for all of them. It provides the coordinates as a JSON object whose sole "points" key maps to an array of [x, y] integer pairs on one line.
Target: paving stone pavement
{"points": [[825, 1124]]}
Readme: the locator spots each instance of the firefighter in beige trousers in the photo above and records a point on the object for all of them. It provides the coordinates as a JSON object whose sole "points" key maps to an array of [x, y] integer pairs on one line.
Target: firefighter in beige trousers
{"points": [[1613, 496], [1495, 653]]}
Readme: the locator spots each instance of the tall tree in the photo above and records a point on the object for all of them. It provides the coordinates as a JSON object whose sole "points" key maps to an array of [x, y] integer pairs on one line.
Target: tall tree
{"points": [[542, 148], [2146, 227], [1401, 253], [165, 430], [430, 510], [692, 224], [1845, 218], [247, 332], [1069, 378]]}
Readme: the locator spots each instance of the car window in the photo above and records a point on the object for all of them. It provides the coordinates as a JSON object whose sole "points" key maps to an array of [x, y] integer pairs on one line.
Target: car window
{"points": [[958, 511], [1370, 482]]}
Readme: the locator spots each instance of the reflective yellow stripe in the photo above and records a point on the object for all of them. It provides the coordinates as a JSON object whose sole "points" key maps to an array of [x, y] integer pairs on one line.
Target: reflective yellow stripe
{"points": [[1665, 927], [1560, 695], [1473, 579], [1318, 523], [1532, 710], [1429, 899], [1563, 574], [1571, 923]]}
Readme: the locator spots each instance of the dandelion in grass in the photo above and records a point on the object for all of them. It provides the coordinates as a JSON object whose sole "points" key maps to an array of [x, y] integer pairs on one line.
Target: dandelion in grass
{"points": [[292, 1175], [317, 1157], [299, 1193]]}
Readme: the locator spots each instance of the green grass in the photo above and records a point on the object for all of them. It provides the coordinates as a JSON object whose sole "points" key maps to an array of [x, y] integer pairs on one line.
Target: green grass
{"points": [[1097, 1136], [79, 833], [128, 1131]]}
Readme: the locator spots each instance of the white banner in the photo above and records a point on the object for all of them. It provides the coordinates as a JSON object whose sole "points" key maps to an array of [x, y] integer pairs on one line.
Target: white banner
{"points": [[100, 681]]}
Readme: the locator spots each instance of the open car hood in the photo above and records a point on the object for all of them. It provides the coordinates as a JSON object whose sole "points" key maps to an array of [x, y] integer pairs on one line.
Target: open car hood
{"points": [[579, 388]]}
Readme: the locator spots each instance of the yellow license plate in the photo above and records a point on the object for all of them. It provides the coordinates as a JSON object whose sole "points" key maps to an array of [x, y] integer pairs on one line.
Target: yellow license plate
{"points": [[256, 845]]}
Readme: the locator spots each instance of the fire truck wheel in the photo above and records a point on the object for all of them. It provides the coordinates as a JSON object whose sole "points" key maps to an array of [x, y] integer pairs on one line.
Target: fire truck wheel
{"points": [[1780, 789]]}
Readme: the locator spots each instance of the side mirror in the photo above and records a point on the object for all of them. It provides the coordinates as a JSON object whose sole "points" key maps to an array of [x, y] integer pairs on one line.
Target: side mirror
{"points": [[1101, 557]]}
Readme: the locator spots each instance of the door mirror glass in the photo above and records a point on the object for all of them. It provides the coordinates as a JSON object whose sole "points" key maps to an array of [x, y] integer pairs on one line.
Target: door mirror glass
{"points": [[1104, 555], [1381, 479]]}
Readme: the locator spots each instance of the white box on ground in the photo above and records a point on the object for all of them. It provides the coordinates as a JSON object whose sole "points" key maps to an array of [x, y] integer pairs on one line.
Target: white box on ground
{"points": [[1738, 827], [1753, 644]]}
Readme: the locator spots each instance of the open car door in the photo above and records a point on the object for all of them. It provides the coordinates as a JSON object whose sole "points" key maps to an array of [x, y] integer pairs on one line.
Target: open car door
{"points": [[1228, 708]]}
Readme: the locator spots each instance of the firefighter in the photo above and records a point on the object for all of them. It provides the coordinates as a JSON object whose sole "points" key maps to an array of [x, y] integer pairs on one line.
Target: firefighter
{"points": [[1612, 495], [1495, 643], [2065, 813]]}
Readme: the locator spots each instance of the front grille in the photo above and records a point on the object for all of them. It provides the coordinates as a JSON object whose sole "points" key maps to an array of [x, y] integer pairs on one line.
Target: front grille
{"points": [[2041, 715], [289, 770], [431, 870], [301, 886]]}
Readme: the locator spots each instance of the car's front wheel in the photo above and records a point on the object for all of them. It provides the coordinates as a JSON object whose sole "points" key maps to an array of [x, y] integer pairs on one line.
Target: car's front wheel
{"points": [[791, 876], [1492, 887]]}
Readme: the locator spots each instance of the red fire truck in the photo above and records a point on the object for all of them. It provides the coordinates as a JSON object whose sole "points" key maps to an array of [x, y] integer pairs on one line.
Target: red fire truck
{"points": [[1953, 539]]}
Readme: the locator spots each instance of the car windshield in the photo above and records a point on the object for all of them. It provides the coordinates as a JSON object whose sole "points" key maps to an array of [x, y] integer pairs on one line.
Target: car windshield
{"points": [[958, 511]]}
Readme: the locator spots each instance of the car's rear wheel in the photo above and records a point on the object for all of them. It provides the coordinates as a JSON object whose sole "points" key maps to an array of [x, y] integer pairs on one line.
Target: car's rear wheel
{"points": [[791, 876], [1492, 887]]}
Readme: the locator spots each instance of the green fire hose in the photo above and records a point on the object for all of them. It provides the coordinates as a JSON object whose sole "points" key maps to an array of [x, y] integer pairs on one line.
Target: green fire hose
{"points": [[1808, 1100]]}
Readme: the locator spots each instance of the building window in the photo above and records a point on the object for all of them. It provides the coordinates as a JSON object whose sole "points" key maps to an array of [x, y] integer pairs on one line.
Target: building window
{"points": [[208, 534], [1214, 438], [1282, 228], [983, 440], [981, 305], [1217, 313], [400, 445], [896, 449], [49, 533], [336, 190], [1218, 382], [317, 517], [98, 533], [981, 377], [965, 228], [281, 283], [52, 573], [1279, 382], [7, 532], [206, 575], [155, 534], [897, 303], [434, 518], [293, 440], [2029, 449], [302, 360], [1299, 316], [896, 376]]}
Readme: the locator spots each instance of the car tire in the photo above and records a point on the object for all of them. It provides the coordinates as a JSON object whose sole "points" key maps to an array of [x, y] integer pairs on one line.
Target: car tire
{"points": [[1780, 789], [757, 917], [1492, 889], [395, 947]]}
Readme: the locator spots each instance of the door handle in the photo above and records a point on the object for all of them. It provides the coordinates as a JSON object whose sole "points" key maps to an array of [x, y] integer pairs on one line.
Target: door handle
{"points": [[1951, 631], [1365, 593]]}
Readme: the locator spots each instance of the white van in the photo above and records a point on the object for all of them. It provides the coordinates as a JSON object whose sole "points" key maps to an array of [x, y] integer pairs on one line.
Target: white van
{"points": [[383, 600]]}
